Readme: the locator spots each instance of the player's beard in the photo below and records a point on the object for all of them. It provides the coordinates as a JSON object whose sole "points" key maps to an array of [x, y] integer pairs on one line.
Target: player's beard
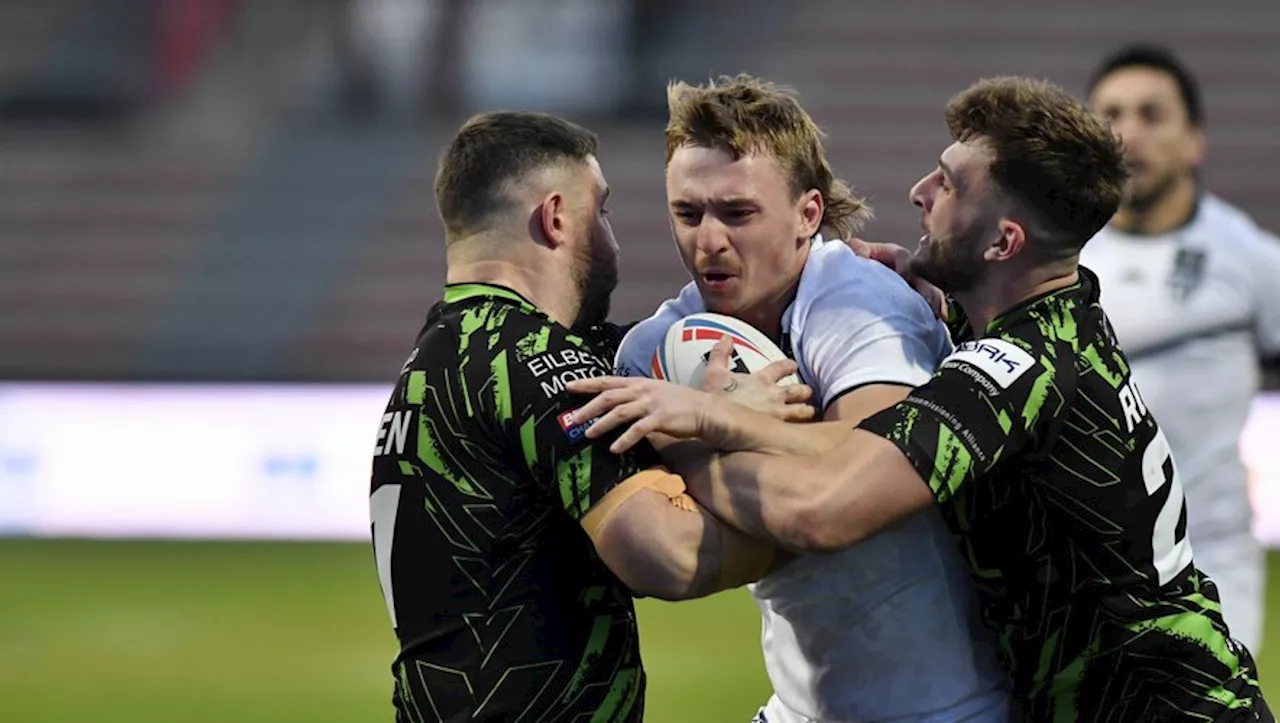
{"points": [[596, 275], [1142, 200], [953, 263]]}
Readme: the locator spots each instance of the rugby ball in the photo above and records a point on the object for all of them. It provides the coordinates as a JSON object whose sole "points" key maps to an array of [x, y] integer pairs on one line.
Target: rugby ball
{"points": [[682, 357]]}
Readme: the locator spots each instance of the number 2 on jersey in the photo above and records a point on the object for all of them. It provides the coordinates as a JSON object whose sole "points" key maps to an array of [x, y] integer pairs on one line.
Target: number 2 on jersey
{"points": [[384, 503], [1169, 554]]}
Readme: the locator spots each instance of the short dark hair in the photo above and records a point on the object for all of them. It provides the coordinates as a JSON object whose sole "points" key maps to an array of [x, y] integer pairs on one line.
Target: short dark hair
{"points": [[1051, 156], [493, 149], [1158, 58]]}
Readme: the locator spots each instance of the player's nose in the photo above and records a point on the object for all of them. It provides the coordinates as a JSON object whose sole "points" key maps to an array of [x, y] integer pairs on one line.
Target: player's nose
{"points": [[1128, 128], [712, 236], [919, 195]]}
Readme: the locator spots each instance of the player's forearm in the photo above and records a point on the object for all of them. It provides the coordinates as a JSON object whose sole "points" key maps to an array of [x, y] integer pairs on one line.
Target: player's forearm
{"points": [[700, 466], [729, 485], [763, 495], [815, 503], [735, 428], [827, 502]]}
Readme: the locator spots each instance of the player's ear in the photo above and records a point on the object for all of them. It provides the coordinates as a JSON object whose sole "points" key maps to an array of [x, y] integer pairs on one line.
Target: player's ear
{"points": [[1010, 241], [1196, 148], [810, 208], [552, 220]]}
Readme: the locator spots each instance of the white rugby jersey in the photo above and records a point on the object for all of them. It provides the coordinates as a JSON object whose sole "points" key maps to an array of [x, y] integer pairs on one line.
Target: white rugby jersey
{"points": [[887, 629], [1194, 310]]}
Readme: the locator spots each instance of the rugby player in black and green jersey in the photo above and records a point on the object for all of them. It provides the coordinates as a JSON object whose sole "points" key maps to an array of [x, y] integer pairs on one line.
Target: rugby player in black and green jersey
{"points": [[508, 545], [1031, 436]]}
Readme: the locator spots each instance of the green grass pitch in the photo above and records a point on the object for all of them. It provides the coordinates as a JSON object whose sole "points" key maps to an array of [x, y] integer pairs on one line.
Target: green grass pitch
{"points": [[201, 632]]}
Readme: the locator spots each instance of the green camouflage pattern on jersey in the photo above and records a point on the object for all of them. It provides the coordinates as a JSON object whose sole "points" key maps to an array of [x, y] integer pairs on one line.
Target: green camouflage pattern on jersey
{"points": [[502, 608], [1035, 442]]}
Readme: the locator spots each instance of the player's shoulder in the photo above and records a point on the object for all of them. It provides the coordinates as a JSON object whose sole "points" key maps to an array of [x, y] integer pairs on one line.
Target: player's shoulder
{"points": [[997, 362], [505, 334], [1224, 226], [635, 351], [1047, 336], [838, 279]]}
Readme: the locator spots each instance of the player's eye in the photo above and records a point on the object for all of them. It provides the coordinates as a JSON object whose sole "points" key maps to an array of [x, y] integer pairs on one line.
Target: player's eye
{"points": [[1152, 115], [689, 218]]}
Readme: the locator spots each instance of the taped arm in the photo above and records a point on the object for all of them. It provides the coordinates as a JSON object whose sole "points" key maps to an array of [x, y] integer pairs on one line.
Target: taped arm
{"points": [[661, 543]]}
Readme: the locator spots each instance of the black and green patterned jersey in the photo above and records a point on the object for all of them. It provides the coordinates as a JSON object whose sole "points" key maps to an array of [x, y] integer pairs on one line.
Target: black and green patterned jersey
{"points": [[1060, 486], [502, 608]]}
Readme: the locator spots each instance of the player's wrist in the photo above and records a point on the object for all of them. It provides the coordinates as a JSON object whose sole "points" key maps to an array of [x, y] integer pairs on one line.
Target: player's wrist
{"points": [[728, 426], [717, 426]]}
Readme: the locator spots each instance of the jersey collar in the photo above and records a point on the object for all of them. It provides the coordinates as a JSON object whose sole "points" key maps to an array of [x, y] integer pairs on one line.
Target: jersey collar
{"points": [[454, 293], [1086, 285]]}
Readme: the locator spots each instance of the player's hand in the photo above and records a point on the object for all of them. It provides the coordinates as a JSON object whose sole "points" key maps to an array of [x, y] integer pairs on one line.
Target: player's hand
{"points": [[651, 405], [759, 391], [898, 258]]}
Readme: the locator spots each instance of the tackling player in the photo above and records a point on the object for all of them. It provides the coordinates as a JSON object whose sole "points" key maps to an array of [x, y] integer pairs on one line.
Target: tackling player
{"points": [[1188, 282], [886, 630], [1032, 438], [508, 544]]}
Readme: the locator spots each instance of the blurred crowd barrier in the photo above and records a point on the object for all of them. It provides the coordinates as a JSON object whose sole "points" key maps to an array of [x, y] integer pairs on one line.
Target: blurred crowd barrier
{"points": [[261, 461]]}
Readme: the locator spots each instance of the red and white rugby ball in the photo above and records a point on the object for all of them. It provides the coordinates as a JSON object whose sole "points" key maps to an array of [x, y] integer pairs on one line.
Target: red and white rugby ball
{"points": [[682, 357]]}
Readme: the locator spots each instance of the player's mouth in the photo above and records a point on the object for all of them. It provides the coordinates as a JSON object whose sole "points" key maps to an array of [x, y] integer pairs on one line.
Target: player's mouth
{"points": [[717, 280]]}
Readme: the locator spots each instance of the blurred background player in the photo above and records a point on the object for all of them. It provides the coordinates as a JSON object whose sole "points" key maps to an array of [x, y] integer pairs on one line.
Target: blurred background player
{"points": [[1189, 284], [508, 545]]}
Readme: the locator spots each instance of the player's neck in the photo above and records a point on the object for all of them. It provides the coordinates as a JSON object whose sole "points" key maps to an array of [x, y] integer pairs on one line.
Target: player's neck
{"points": [[1163, 214], [543, 289], [987, 302], [766, 317]]}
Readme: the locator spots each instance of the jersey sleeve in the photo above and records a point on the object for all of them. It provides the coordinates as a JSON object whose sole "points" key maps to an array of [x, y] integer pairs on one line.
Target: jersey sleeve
{"points": [[635, 352], [988, 401], [531, 409], [853, 336], [1266, 267]]}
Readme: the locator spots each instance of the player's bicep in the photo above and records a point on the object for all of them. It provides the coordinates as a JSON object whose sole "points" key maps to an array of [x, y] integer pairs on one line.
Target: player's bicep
{"points": [[855, 405], [850, 341]]}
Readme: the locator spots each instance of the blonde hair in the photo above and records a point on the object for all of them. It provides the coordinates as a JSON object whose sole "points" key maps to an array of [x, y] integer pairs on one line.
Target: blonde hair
{"points": [[744, 115]]}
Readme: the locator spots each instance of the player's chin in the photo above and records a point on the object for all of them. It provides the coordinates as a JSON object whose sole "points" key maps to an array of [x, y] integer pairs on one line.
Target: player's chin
{"points": [[722, 301]]}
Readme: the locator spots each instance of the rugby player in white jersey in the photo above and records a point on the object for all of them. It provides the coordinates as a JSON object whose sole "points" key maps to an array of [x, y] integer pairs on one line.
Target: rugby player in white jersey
{"points": [[1188, 281], [886, 630]]}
